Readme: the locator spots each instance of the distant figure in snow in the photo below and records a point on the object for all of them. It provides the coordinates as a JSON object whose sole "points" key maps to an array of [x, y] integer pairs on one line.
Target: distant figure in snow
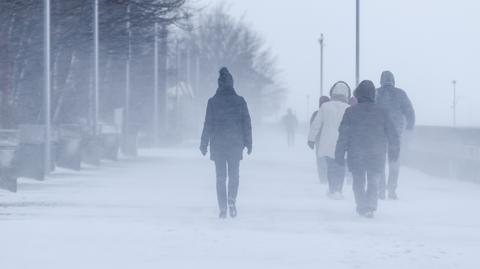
{"points": [[321, 161], [291, 123], [324, 129], [228, 130], [399, 108], [366, 132]]}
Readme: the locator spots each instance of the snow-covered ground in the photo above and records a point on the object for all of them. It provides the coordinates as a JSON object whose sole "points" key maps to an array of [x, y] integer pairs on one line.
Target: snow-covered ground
{"points": [[159, 211]]}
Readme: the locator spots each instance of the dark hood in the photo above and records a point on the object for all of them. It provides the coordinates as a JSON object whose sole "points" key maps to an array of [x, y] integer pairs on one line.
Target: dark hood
{"points": [[365, 92], [225, 83], [387, 79]]}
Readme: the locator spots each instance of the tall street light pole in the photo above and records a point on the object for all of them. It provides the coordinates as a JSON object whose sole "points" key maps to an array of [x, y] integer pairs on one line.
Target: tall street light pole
{"points": [[454, 105], [357, 47], [308, 108], [321, 41], [48, 89], [156, 109], [126, 120], [96, 89]]}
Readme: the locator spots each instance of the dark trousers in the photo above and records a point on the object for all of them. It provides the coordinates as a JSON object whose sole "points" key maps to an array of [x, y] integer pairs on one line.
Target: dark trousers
{"points": [[393, 172], [335, 175], [227, 196], [365, 188], [392, 183]]}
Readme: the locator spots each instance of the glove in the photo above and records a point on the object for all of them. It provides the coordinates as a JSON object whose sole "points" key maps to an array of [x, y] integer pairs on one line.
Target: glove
{"points": [[203, 150], [393, 156], [340, 161], [311, 144]]}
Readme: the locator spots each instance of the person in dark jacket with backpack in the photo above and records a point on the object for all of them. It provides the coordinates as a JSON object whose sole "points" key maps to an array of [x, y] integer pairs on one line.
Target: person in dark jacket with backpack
{"points": [[228, 131], [399, 108], [365, 135]]}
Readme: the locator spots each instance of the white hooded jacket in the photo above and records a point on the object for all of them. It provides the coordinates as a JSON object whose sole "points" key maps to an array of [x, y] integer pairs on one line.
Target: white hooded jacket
{"points": [[326, 123]]}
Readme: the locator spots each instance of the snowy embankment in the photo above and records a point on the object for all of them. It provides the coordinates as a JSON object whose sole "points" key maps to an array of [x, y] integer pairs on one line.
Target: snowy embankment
{"points": [[159, 211]]}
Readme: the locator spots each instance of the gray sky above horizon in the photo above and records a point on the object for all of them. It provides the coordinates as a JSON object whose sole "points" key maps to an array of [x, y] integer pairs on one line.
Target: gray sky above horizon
{"points": [[426, 44]]}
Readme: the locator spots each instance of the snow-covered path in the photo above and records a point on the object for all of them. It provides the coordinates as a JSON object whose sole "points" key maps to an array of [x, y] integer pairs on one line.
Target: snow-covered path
{"points": [[159, 211]]}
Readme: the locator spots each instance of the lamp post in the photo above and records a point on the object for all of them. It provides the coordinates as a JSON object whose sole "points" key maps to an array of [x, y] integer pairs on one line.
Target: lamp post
{"points": [[321, 42], [126, 120], [96, 88], [48, 89], [454, 104], [308, 107], [357, 46], [156, 110]]}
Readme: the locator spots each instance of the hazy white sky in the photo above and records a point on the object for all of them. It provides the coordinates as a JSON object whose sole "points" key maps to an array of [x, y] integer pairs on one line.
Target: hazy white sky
{"points": [[426, 44]]}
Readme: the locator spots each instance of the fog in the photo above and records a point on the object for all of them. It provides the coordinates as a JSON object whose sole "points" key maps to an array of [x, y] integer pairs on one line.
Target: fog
{"points": [[427, 44], [187, 134]]}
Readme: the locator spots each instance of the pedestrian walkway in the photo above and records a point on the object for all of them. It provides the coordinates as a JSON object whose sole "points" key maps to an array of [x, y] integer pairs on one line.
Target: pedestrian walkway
{"points": [[159, 211]]}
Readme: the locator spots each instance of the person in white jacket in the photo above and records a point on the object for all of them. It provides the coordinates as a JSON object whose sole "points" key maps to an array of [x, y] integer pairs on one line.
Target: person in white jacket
{"points": [[325, 126]]}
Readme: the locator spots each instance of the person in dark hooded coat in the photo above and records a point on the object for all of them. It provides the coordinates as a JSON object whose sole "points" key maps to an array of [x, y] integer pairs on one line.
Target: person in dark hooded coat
{"points": [[365, 134], [228, 131], [399, 108]]}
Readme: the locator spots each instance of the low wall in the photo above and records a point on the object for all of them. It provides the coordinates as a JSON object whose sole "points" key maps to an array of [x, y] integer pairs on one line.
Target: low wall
{"points": [[444, 152]]}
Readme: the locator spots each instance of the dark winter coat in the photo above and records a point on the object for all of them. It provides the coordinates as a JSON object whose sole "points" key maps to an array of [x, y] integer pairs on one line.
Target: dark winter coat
{"points": [[227, 126], [366, 132], [396, 102]]}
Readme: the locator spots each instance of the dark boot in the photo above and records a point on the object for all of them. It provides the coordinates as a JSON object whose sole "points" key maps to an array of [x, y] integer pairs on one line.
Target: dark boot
{"points": [[223, 214], [233, 210], [368, 215], [392, 195], [381, 195], [360, 212]]}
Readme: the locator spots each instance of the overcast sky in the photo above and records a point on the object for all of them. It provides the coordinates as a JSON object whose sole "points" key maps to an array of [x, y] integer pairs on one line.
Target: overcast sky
{"points": [[426, 44]]}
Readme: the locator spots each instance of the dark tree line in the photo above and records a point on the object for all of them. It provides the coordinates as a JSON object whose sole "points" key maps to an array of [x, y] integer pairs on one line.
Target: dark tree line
{"points": [[22, 53], [193, 44]]}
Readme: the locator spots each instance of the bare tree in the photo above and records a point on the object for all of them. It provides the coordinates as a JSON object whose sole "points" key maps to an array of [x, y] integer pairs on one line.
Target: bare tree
{"points": [[218, 40]]}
